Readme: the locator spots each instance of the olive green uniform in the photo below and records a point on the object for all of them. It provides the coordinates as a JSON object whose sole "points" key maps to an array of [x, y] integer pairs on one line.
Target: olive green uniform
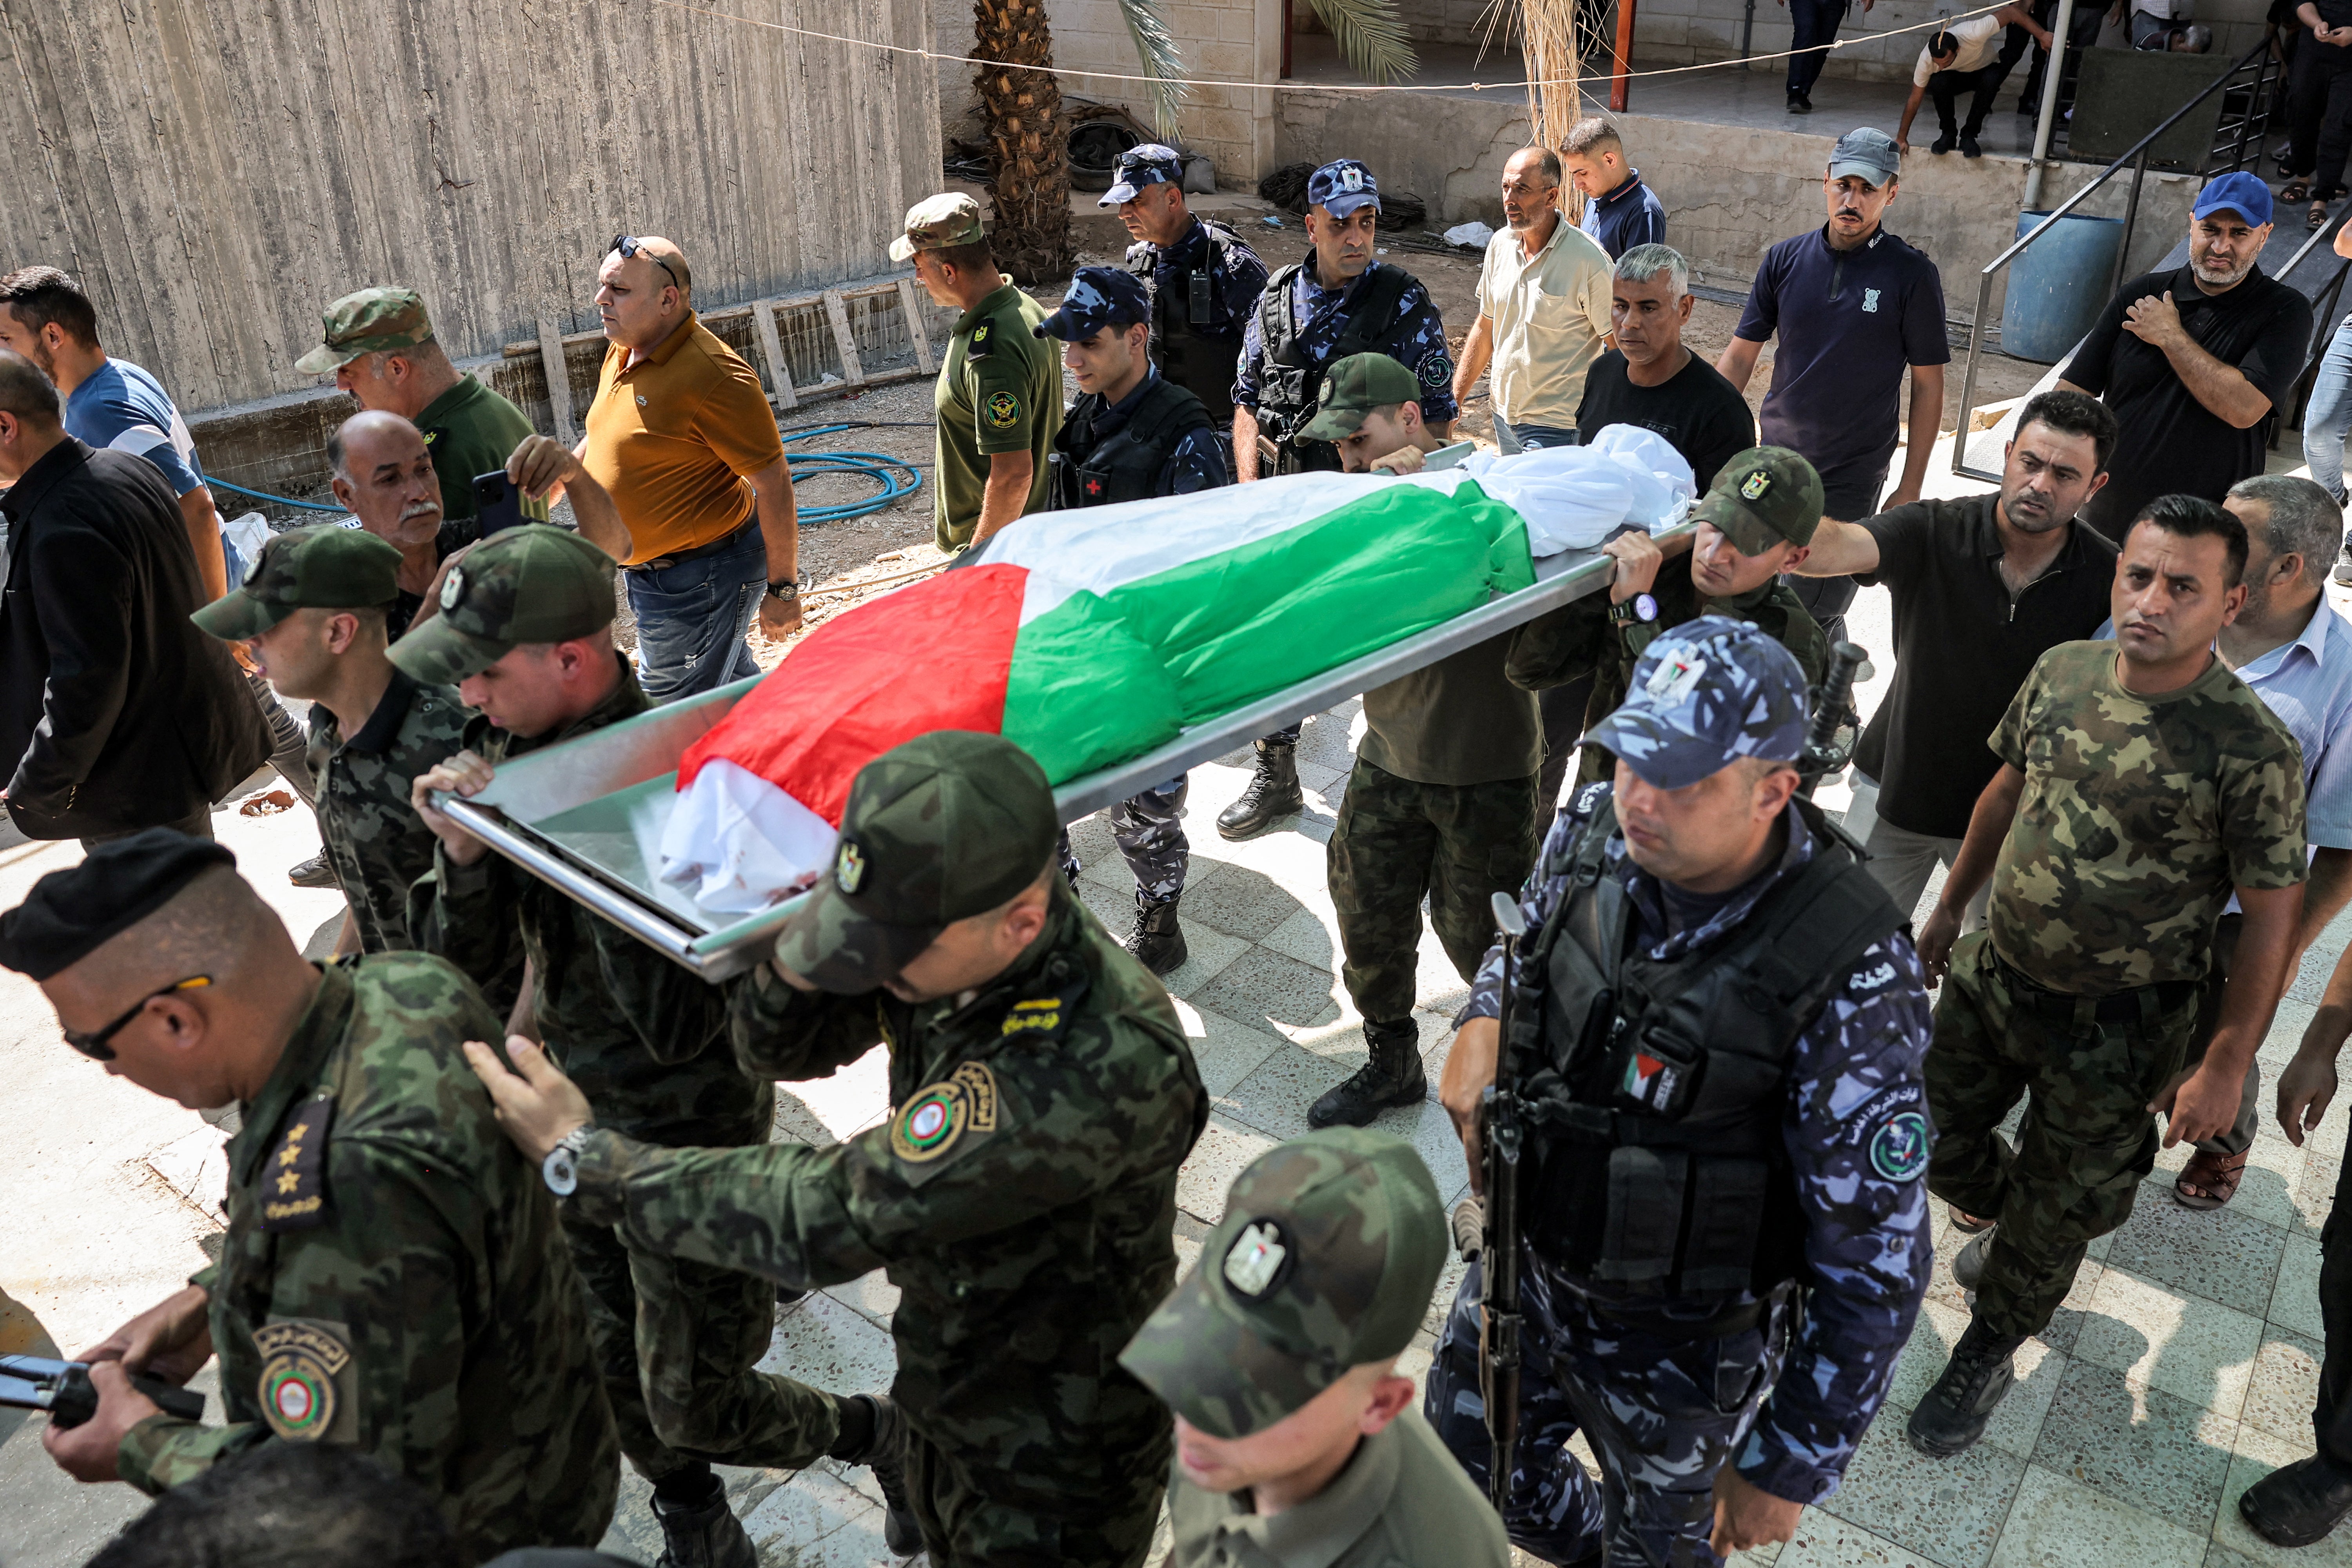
{"points": [[1021, 1195], [1578, 640], [470, 429], [2139, 816], [1441, 804], [393, 1278], [999, 389], [677, 1342]]}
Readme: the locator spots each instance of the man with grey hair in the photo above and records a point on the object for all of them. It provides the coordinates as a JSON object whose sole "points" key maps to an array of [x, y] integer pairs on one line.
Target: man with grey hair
{"points": [[1650, 380], [1543, 310], [2295, 651]]}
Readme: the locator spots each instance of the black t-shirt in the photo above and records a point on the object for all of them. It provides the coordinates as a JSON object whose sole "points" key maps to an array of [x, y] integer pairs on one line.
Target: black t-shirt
{"points": [[2171, 444], [1962, 649], [1699, 412]]}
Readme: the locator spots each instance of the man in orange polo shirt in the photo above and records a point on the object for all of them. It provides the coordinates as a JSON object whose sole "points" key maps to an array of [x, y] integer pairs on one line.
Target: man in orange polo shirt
{"points": [[681, 434]]}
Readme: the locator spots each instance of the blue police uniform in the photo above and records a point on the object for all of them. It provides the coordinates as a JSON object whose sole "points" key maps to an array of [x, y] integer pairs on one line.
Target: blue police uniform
{"points": [[1668, 1388], [1418, 341]]}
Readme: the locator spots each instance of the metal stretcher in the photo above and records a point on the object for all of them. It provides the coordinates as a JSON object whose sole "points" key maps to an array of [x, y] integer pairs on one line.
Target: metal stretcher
{"points": [[585, 817]]}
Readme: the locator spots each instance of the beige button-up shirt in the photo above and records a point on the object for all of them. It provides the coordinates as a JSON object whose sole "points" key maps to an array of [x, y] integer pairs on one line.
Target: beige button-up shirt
{"points": [[1549, 313]]}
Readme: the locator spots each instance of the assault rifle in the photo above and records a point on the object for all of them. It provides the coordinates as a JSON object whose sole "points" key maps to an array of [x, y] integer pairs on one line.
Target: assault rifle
{"points": [[63, 1389], [1834, 726], [1503, 1134]]}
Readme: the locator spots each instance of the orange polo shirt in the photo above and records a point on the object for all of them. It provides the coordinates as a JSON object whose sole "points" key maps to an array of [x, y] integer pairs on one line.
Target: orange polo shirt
{"points": [[673, 435]]}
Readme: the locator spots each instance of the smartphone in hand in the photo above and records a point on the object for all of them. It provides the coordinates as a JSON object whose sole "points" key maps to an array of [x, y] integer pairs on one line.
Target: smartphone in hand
{"points": [[496, 503]]}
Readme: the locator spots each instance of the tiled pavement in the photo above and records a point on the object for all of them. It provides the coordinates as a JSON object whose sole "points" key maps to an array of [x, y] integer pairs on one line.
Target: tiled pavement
{"points": [[2181, 1369]]}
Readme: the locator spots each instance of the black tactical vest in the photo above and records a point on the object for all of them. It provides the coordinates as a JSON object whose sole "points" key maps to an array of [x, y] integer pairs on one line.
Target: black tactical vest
{"points": [[1128, 466], [1661, 1088], [1183, 302], [1290, 383]]}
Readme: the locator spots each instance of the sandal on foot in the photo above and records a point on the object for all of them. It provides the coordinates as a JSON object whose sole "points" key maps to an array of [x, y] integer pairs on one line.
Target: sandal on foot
{"points": [[2294, 190], [2316, 218], [2208, 1180], [1967, 1224]]}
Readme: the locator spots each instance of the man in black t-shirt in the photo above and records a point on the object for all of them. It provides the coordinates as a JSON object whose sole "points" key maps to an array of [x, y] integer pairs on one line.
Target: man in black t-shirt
{"points": [[1650, 381], [1982, 587], [2194, 362]]}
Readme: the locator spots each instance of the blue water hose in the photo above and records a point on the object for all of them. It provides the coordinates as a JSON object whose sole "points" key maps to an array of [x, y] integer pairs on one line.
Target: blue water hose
{"points": [[879, 467], [265, 495]]}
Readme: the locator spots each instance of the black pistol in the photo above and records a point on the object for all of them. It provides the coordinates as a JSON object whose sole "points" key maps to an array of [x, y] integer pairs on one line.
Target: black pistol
{"points": [[63, 1389]]}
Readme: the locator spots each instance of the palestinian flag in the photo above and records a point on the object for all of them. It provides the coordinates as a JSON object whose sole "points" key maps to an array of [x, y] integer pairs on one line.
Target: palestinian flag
{"points": [[1090, 637]]}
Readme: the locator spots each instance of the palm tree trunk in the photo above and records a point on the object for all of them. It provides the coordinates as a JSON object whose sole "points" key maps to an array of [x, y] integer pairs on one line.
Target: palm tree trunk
{"points": [[1031, 186]]}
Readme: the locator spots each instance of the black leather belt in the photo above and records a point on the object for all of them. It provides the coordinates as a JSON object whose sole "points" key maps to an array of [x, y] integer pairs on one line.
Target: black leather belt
{"points": [[2114, 1007], [676, 557]]}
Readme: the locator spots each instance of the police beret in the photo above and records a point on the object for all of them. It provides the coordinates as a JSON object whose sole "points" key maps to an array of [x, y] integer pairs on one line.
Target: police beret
{"points": [[69, 913]]}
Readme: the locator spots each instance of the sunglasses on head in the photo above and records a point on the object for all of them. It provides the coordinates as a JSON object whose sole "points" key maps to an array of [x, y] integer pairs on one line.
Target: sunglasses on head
{"points": [[93, 1045], [629, 245]]}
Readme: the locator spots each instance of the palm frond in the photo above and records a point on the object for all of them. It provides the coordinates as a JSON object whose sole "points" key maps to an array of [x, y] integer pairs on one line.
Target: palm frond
{"points": [[1371, 38], [1155, 46]]}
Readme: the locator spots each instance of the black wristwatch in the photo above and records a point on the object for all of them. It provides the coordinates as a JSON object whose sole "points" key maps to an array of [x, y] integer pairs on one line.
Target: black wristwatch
{"points": [[787, 589], [560, 1168], [1640, 607]]}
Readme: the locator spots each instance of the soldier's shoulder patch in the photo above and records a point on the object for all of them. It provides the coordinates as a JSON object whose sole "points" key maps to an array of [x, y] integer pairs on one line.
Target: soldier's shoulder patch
{"points": [[307, 1390], [293, 1179], [1890, 1130], [982, 343], [1002, 409], [1588, 799], [960, 1109], [1033, 1016]]}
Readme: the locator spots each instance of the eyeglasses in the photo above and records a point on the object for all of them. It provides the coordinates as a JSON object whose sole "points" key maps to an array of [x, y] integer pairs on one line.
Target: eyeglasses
{"points": [[94, 1045], [629, 245]]}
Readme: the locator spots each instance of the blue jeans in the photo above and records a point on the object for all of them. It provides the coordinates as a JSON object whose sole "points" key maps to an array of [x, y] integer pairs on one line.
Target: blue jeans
{"points": [[2329, 413], [1816, 23], [1531, 437], [691, 618]]}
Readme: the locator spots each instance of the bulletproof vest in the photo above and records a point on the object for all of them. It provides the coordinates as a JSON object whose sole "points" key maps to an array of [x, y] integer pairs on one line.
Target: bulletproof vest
{"points": [[1184, 302], [1659, 1088], [1128, 466], [1289, 386]]}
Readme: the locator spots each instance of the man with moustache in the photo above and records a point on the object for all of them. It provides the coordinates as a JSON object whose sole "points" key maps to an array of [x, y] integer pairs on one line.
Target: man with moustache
{"points": [[2195, 362], [1543, 310], [384, 471], [1203, 278], [1983, 588]]}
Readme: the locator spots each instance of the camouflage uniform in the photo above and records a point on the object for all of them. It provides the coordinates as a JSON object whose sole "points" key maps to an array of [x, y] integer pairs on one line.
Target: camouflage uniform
{"points": [[1021, 1195], [1148, 829], [2138, 817], [1786, 1394], [393, 1276], [375, 839], [677, 1342]]}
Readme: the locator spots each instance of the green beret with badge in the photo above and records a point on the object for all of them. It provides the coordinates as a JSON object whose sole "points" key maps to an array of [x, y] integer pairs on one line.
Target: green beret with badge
{"points": [[323, 568], [1354, 387], [536, 584]]}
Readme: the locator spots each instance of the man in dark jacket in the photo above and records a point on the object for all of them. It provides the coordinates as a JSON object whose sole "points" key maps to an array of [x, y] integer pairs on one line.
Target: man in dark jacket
{"points": [[120, 713]]}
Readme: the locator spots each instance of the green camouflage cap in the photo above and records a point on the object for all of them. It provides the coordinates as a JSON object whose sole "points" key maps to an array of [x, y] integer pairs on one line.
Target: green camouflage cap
{"points": [[366, 323], [937, 828], [938, 222], [1325, 1261], [1353, 389], [1766, 496], [324, 568], [536, 584]]}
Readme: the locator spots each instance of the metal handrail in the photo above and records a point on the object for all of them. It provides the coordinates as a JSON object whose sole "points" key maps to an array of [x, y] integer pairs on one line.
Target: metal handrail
{"points": [[2323, 317], [2137, 156]]}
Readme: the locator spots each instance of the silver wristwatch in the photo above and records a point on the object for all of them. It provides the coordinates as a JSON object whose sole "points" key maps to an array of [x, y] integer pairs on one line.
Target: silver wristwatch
{"points": [[560, 1168]]}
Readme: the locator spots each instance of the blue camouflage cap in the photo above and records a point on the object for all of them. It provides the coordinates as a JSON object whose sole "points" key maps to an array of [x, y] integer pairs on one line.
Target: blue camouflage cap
{"points": [[1099, 296], [1703, 695], [1342, 185], [1148, 164]]}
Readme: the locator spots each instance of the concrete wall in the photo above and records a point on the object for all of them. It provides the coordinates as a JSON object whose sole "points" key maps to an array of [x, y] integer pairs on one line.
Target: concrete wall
{"points": [[1680, 32], [1235, 40], [215, 171], [1726, 200]]}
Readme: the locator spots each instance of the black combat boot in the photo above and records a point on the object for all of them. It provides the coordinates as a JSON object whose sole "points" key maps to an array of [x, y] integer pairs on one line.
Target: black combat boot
{"points": [[1272, 792], [1393, 1076], [1157, 941], [704, 1534], [2299, 1503], [885, 1455], [1953, 1415]]}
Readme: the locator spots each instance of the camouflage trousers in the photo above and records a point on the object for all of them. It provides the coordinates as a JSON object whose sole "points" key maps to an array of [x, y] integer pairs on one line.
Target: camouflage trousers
{"points": [[969, 1521], [2088, 1139], [1398, 842], [1662, 1416], [1148, 829]]}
